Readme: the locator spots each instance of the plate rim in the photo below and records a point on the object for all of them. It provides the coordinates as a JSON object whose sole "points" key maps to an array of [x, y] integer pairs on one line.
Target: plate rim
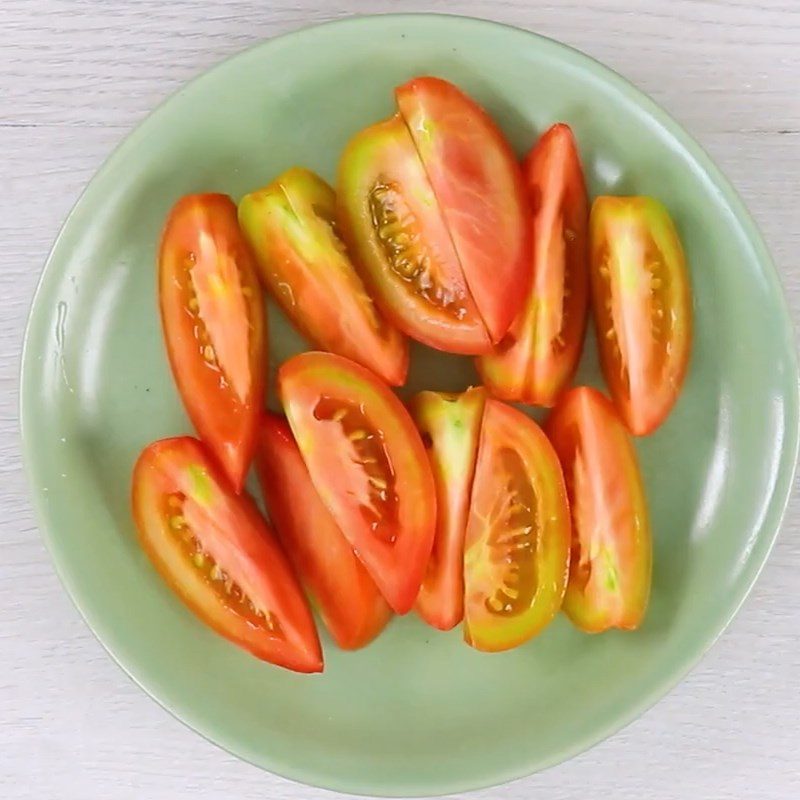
{"points": [[778, 502]]}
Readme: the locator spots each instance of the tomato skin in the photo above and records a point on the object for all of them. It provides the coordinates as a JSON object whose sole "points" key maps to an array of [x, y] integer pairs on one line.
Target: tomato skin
{"points": [[385, 508], [400, 243], [233, 533], [290, 227], [451, 424], [479, 187], [539, 355], [348, 600], [516, 550], [642, 306], [611, 562], [209, 297]]}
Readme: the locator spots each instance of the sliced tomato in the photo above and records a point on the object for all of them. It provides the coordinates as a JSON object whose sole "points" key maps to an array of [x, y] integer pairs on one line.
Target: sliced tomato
{"points": [[291, 227], [478, 185], [218, 554], [642, 307], [450, 426], [368, 464], [400, 243], [339, 585], [212, 312], [538, 356], [609, 579], [516, 551]]}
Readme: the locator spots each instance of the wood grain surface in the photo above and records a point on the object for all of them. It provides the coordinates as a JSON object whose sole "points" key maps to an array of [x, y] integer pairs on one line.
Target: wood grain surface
{"points": [[75, 77]]}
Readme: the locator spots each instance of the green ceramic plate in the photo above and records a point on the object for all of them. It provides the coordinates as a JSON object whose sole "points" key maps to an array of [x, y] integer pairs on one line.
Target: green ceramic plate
{"points": [[417, 712]]}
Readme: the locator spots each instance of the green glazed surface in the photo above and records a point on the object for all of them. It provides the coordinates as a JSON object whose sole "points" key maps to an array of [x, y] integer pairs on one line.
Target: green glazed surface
{"points": [[417, 712]]}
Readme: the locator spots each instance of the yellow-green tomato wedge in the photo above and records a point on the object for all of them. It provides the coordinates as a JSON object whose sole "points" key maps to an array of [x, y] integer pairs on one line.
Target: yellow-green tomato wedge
{"points": [[516, 550], [291, 228], [450, 425]]}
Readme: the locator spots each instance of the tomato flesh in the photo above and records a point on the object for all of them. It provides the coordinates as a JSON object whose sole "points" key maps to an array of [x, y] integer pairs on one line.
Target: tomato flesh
{"points": [[516, 551], [450, 427], [537, 358], [368, 464], [611, 564], [642, 307], [479, 188], [291, 226], [339, 585], [400, 242], [218, 554], [212, 314]]}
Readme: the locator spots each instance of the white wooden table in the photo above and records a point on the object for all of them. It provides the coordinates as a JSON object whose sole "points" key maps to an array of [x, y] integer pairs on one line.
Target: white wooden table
{"points": [[75, 77]]}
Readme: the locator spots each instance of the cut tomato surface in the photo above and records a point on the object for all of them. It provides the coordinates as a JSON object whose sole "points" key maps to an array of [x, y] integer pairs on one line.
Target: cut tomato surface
{"points": [[611, 564], [642, 307], [212, 314], [400, 243], [478, 185], [450, 426], [516, 551], [538, 356], [339, 585], [368, 464], [218, 554], [291, 227]]}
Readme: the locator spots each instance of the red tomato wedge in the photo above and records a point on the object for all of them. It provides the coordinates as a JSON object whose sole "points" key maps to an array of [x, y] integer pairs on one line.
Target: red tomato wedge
{"points": [[450, 425], [400, 243], [291, 227], [339, 585], [479, 188], [538, 356], [368, 464], [516, 552], [609, 580], [212, 313], [642, 307], [218, 554]]}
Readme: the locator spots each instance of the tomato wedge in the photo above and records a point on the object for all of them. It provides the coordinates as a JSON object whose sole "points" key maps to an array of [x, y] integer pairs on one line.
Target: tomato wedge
{"points": [[479, 188], [516, 551], [291, 227], [642, 307], [368, 464], [609, 580], [450, 425], [400, 243], [218, 554], [212, 313], [538, 356], [339, 585]]}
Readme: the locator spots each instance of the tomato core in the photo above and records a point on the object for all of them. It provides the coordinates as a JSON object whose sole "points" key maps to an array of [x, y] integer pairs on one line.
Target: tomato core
{"points": [[372, 468], [406, 252], [181, 512], [512, 539]]}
